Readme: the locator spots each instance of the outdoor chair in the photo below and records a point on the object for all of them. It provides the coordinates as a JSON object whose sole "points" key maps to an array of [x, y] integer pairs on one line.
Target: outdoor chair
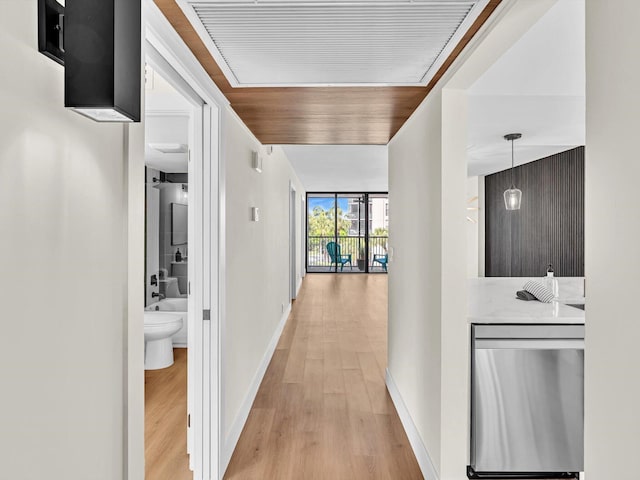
{"points": [[333, 249], [382, 259]]}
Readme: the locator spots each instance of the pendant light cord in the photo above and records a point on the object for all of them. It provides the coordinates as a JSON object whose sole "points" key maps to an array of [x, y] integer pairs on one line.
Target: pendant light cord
{"points": [[512, 174]]}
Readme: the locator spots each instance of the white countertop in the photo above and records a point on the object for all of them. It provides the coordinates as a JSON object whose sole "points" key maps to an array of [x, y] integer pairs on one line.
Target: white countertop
{"points": [[493, 300]]}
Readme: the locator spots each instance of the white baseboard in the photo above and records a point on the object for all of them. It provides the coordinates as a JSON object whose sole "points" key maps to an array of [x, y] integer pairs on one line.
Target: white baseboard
{"points": [[420, 451], [240, 420]]}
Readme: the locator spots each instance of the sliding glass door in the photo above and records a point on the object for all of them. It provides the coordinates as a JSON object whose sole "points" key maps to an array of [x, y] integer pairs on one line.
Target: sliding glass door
{"points": [[347, 232], [321, 231], [377, 231]]}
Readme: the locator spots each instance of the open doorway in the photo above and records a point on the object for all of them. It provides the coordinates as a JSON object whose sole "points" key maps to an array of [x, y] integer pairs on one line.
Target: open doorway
{"points": [[293, 271], [195, 441], [169, 138], [181, 130]]}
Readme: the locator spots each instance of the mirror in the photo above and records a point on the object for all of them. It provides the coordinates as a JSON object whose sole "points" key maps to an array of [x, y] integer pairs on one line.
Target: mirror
{"points": [[178, 224]]}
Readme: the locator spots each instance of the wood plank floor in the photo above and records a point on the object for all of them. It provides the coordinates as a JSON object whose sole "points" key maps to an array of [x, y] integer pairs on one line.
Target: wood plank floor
{"points": [[165, 430], [323, 411]]}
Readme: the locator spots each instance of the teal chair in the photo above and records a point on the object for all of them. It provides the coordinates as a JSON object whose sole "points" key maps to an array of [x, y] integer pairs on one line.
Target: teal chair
{"points": [[336, 256], [381, 259]]}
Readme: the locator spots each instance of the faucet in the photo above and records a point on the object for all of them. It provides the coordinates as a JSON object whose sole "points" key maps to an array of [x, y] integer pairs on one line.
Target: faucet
{"points": [[157, 294]]}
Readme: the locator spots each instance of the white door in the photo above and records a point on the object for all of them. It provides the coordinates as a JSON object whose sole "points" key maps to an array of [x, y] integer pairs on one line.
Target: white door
{"points": [[303, 239], [203, 378], [195, 260], [293, 274], [210, 289]]}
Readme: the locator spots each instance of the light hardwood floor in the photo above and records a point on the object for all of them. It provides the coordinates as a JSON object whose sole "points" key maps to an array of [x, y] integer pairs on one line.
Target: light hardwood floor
{"points": [[165, 431], [323, 411]]}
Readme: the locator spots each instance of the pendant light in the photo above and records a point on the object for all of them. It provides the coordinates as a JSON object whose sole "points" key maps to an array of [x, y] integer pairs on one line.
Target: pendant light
{"points": [[512, 196]]}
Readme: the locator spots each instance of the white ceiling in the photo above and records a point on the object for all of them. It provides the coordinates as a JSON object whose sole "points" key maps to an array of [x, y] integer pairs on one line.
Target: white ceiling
{"points": [[320, 42], [537, 88], [166, 124], [340, 168]]}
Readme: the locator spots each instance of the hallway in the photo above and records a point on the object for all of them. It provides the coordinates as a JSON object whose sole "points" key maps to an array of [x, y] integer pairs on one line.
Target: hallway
{"points": [[322, 411]]}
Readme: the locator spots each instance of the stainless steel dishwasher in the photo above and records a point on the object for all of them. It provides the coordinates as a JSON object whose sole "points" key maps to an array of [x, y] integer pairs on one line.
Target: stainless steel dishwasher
{"points": [[527, 401]]}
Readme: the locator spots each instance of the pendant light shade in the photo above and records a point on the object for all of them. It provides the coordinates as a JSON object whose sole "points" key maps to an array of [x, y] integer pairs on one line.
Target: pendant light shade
{"points": [[512, 196]]}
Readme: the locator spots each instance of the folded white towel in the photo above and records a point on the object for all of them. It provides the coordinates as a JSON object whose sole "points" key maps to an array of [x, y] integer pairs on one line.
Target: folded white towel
{"points": [[538, 290]]}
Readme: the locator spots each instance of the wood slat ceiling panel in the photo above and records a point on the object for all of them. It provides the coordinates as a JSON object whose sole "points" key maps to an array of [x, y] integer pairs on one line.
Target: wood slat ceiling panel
{"points": [[317, 115]]}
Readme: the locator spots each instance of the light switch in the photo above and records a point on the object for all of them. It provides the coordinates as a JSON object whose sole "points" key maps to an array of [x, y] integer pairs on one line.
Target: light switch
{"points": [[255, 214]]}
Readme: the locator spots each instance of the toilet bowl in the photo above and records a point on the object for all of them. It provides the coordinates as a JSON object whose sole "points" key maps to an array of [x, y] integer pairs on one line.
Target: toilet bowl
{"points": [[158, 329], [169, 288]]}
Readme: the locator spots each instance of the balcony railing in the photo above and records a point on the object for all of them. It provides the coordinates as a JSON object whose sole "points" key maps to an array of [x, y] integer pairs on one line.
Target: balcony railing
{"points": [[318, 258]]}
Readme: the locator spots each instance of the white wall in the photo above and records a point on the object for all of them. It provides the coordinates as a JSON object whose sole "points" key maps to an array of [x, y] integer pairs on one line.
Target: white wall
{"points": [[455, 330], [257, 263], [152, 219], [428, 331], [612, 233], [475, 231], [473, 227], [172, 193], [482, 212], [64, 284], [415, 218]]}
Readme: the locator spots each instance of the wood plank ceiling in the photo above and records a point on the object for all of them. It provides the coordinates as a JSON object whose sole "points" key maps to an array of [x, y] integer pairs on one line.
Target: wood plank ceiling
{"points": [[317, 115]]}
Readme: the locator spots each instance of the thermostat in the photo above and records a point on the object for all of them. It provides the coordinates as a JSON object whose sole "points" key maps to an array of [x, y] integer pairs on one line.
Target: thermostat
{"points": [[256, 162]]}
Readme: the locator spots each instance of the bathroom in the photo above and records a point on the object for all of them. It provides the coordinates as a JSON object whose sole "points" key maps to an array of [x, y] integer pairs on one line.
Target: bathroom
{"points": [[166, 214], [167, 256], [169, 124]]}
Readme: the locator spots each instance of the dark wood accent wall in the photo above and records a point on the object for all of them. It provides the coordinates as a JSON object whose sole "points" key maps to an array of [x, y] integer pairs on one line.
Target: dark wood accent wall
{"points": [[548, 228]]}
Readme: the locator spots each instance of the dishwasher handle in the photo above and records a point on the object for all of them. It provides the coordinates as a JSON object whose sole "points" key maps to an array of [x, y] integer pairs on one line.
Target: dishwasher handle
{"points": [[529, 343]]}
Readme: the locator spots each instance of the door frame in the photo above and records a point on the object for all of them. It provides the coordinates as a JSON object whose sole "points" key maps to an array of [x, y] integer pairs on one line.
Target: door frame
{"points": [[293, 270], [197, 372], [159, 33], [303, 236]]}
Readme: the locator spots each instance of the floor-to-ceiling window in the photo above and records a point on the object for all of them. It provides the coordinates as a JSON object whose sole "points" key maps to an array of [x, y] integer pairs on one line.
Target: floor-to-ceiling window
{"points": [[347, 232]]}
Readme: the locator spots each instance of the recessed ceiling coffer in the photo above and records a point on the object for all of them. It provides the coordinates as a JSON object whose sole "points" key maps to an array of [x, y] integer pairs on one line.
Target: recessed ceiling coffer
{"points": [[293, 43]]}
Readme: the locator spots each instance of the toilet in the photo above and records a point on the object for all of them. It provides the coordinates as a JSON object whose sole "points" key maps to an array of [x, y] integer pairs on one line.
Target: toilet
{"points": [[169, 288], [158, 330]]}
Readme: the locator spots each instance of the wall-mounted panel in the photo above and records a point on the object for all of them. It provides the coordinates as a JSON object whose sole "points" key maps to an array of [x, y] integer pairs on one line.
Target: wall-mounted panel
{"points": [[548, 228]]}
